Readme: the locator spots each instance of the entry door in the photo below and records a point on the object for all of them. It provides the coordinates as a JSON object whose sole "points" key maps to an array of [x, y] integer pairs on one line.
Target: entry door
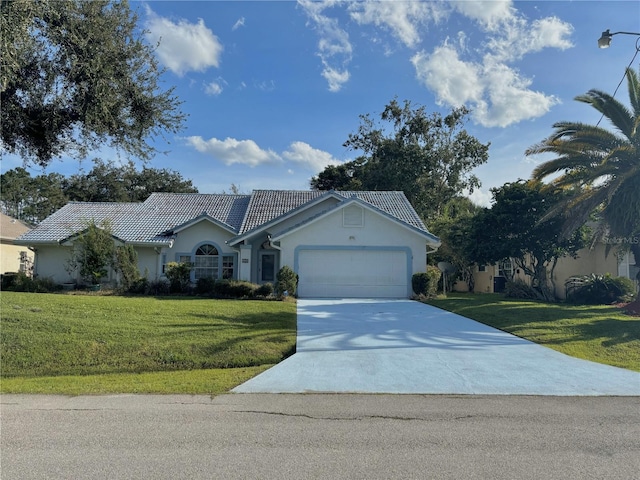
{"points": [[267, 267]]}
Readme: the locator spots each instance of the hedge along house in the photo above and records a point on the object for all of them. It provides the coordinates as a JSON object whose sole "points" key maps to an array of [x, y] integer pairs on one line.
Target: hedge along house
{"points": [[341, 244]]}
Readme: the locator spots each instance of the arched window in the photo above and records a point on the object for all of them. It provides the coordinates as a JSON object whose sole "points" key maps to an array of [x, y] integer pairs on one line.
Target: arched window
{"points": [[206, 262]]}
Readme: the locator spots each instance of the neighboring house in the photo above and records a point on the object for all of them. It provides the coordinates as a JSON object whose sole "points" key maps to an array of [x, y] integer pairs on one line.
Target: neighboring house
{"points": [[13, 257], [493, 278], [341, 244]]}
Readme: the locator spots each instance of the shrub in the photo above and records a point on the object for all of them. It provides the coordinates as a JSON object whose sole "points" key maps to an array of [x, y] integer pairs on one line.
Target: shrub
{"points": [[264, 290], [518, 288], [179, 276], [205, 286], [126, 264], [234, 289], [159, 287], [426, 283], [286, 282], [21, 282], [599, 289], [93, 252], [140, 286]]}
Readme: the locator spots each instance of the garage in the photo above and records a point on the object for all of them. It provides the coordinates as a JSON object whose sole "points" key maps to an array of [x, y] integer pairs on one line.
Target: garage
{"points": [[359, 272]]}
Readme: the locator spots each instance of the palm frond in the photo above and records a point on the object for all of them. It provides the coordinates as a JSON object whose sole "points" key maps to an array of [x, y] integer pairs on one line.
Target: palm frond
{"points": [[616, 112]]}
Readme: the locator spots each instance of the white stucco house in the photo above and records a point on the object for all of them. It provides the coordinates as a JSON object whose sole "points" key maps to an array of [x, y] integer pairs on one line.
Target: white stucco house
{"points": [[341, 244]]}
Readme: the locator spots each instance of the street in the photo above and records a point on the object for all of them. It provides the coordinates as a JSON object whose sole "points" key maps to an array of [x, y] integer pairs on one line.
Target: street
{"points": [[265, 436]]}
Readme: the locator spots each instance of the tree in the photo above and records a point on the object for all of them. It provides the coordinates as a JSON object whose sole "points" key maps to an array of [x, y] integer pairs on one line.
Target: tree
{"points": [[93, 252], [454, 227], [77, 75], [428, 157], [599, 168], [516, 227], [32, 199]]}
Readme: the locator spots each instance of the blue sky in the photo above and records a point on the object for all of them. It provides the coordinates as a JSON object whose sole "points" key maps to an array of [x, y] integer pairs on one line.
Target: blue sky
{"points": [[273, 89]]}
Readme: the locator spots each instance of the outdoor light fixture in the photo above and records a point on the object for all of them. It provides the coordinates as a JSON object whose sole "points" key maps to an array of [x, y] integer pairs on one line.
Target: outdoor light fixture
{"points": [[605, 40]]}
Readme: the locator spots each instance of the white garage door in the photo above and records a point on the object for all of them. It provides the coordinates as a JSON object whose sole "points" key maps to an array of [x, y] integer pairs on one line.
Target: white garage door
{"points": [[352, 273]]}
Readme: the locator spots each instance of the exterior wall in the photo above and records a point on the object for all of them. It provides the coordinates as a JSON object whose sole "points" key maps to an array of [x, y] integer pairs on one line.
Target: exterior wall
{"points": [[149, 262], [50, 262], [588, 261], [377, 231], [10, 257]]}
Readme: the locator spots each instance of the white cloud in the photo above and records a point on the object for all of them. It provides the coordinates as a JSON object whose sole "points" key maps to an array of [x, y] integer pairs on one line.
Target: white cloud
{"points": [[183, 46], [403, 19], [238, 24], [481, 198], [309, 157], [230, 151], [488, 13], [213, 88], [334, 47], [497, 94]]}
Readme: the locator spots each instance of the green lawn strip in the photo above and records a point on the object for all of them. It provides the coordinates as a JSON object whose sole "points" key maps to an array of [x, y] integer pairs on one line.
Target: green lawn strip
{"points": [[193, 382], [598, 333], [50, 335]]}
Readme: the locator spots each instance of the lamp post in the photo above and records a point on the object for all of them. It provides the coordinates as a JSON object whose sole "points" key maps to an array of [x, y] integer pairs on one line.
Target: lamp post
{"points": [[605, 39]]}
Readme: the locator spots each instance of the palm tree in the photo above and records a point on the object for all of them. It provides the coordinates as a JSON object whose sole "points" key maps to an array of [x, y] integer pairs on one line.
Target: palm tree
{"points": [[600, 168]]}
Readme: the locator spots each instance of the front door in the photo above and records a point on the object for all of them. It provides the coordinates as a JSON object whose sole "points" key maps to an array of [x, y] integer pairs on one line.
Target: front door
{"points": [[267, 267]]}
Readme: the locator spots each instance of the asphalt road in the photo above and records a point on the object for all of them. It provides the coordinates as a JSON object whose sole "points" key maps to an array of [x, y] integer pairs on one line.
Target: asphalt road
{"points": [[319, 436]]}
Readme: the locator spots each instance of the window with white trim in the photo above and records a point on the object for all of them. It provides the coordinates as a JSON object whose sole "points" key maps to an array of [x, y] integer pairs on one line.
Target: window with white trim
{"points": [[206, 262]]}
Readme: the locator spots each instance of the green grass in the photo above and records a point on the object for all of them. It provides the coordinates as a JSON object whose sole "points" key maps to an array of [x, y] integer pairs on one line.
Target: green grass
{"points": [[598, 333], [74, 344]]}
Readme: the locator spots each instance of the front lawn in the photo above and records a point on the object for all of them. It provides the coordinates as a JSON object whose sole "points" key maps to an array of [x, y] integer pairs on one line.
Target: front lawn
{"points": [[598, 333], [51, 343]]}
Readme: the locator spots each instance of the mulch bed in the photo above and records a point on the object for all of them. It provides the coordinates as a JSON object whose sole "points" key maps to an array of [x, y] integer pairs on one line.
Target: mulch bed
{"points": [[632, 308]]}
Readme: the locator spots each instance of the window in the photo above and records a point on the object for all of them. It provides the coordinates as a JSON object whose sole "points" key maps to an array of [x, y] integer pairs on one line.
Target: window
{"points": [[505, 268], [482, 268], [206, 262], [227, 267]]}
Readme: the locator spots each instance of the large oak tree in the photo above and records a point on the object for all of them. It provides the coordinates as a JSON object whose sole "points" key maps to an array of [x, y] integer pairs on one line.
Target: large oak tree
{"points": [[77, 75]]}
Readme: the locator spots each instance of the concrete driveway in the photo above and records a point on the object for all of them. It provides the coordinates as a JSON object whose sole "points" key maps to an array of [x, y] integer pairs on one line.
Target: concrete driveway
{"points": [[402, 346]]}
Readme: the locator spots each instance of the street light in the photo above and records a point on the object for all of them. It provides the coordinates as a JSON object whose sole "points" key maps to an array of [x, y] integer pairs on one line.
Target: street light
{"points": [[605, 40]]}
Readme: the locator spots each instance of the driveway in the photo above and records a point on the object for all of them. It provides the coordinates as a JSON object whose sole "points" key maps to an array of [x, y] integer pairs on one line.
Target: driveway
{"points": [[402, 346]]}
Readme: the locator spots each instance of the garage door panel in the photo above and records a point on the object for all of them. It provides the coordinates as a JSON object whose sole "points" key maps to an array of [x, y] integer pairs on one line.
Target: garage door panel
{"points": [[352, 273]]}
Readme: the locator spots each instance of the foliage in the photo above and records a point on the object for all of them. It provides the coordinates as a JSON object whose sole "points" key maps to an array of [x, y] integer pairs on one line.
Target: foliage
{"points": [[516, 227], [426, 283], [205, 286], [599, 289], [428, 157], [114, 334], [264, 290], [126, 264], [286, 282], [179, 276], [598, 333], [93, 252], [599, 168], [77, 75], [518, 288], [454, 227], [32, 199], [21, 282], [234, 289]]}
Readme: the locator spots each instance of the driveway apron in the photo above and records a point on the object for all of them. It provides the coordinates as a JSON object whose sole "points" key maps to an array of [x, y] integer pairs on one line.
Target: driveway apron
{"points": [[402, 346]]}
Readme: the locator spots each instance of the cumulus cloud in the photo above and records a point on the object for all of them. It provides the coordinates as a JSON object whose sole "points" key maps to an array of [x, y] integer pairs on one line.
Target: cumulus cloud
{"points": [[230, 151], [183, 46], [403, 19], [304, 154], [497, 94], [247, 152], [489, 13], [334, 47]]}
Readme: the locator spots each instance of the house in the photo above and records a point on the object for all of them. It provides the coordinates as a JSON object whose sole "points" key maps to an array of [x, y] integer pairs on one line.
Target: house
{"points": [[598, 260], [341, 244], [13, 257]]}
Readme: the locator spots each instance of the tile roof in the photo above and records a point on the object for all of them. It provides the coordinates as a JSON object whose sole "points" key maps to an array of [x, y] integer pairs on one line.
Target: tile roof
{"points": [[153, 220]]}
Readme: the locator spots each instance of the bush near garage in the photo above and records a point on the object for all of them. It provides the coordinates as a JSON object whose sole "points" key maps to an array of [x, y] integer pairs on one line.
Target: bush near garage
{"points": [[426, 283], [286, 282]]}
